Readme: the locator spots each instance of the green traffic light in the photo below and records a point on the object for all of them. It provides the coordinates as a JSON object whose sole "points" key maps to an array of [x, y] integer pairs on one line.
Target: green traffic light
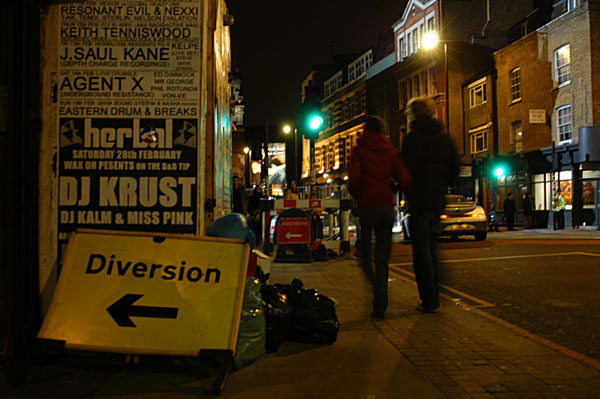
{"points": [[315, 122], [499, 171]]}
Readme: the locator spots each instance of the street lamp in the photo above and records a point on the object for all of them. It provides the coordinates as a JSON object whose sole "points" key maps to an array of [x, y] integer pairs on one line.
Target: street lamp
{"points": [[287, 129], [247, 166], [430, 41]]}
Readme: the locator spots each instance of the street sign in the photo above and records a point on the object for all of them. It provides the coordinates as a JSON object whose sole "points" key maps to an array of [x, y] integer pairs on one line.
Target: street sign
{"points": [[537, 116], [293, 227], [132, 293]]}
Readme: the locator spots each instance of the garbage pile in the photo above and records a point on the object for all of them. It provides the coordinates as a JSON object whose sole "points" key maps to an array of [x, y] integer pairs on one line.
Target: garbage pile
{"points": [[274, 313], [297, 314]]}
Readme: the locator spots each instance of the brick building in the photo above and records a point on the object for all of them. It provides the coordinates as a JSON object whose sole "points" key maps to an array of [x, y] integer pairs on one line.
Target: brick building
{"points": [[547, 92]]}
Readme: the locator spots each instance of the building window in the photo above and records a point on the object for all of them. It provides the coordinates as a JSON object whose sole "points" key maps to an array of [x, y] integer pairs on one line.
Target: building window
{"points": [[430, 24], [562, 63], [515, 84], [432, 86], [478, 140], [564, 123], [403, 94], [401, 48], [415, 37], [416, 86], [477, 93], [524, 29], [572, 4], [516, 136]]}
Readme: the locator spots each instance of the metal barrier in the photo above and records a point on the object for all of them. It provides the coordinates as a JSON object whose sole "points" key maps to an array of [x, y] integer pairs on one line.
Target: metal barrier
{"points": [[324, 192], [333, 208]]}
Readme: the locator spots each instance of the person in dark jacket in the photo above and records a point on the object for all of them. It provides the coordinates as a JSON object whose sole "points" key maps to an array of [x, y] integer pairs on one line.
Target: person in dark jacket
{"points": [[254, 211], [432, 161], [240, 198], [375, 170], [510, 208]]}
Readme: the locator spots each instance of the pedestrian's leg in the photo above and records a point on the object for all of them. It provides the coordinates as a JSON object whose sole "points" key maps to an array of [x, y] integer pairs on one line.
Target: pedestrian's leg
{"points": [[420, 234], [366, 229], [383, 248], [561, 219], [433, 250]]}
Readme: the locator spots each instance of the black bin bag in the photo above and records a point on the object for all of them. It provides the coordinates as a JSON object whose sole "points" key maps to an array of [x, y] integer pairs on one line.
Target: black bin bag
{"points": [[277, 313], [313, 317]]}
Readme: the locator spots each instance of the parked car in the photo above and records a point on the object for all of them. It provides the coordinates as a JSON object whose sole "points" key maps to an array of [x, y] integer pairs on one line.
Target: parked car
{"points": [[460, 217]]}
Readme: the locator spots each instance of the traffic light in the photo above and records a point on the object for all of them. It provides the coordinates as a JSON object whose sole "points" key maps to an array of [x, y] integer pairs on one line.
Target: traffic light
{"points": [[315, 121], [498, 169], [310, 120]]}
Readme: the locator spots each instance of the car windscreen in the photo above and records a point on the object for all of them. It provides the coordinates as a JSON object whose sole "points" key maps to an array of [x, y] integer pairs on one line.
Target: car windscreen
{"points": [[453, 199]]}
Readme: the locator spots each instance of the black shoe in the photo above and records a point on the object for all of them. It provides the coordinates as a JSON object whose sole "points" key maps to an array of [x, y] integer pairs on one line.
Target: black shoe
{"points": [[423, 309], [378, 315]]}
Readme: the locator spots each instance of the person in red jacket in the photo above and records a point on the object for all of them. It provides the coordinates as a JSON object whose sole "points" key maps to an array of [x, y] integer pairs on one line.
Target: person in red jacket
{"points": [[376, 173]]}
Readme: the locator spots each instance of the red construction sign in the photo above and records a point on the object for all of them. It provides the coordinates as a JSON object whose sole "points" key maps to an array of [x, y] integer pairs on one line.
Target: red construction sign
{"points": [[293, 230]]}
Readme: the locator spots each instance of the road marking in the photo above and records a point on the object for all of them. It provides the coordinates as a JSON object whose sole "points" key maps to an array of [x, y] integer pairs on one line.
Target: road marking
{"points": [[541, 236], [479, 309], [501, 257], [481, 303]]}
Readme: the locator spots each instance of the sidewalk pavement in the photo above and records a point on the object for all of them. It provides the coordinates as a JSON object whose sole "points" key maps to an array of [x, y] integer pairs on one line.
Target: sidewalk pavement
{"points": [[592, 231], [582, 230], [455, 353]]}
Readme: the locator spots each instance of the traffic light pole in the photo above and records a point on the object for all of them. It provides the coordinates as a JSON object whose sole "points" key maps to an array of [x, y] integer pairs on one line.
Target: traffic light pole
{"points": [[266, 164], [313, 171]]}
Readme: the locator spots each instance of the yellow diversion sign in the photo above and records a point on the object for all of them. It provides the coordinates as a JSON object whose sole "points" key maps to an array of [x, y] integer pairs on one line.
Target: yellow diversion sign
{"points": [[140, 294]]}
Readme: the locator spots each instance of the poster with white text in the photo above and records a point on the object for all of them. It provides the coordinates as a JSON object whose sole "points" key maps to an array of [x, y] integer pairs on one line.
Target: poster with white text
{"points": [[127, 93]]}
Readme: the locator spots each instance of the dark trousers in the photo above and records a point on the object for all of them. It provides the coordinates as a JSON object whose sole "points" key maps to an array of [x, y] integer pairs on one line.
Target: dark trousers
{"points": [[380, 220], [424, 230], [528, 221], [510, 221], [559, 219]]}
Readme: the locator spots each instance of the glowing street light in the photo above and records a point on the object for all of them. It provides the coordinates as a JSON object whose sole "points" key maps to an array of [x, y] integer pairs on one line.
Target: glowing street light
{"points": [[247, 162], [430, 41]]}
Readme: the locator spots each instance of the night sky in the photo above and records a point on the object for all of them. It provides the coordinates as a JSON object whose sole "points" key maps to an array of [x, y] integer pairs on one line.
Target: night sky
{"points": [[275, 44]]}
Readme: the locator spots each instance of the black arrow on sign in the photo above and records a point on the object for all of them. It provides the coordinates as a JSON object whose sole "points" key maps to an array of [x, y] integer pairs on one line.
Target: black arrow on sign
{"points": [[123, 309]]}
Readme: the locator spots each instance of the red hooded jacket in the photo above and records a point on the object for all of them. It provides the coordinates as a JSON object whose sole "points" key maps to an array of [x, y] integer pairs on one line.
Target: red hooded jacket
{"points": [[375, 167]]}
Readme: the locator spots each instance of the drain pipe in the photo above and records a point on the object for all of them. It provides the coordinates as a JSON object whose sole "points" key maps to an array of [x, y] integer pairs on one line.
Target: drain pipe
{"points": [[482, 35]]}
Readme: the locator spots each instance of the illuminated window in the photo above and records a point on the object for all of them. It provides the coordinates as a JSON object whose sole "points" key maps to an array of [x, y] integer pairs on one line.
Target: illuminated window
{"points": [[564, 123], [478, 93], [478, 139], [562, 64], [515, 84], [516, 136]]}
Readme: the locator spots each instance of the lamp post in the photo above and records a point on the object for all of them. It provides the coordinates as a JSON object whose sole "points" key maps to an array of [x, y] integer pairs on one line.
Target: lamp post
{"points": [[287, 129], [430, 41], [247, 166]]}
